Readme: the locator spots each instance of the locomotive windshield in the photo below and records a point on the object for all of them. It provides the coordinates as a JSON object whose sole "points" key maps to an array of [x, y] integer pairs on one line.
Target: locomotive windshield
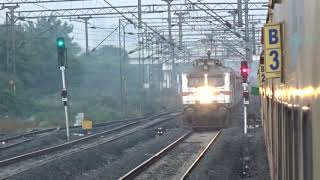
{"points": [[195, 81], [200, 81], [215, 81]]}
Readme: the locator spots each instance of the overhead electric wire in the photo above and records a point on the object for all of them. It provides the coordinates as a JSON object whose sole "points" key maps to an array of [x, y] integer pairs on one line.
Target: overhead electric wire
{"points": [[104, 39], [129, 20]]}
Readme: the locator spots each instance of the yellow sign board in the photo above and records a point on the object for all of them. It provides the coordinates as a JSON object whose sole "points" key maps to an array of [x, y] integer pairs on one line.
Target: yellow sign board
{"points": [[86, 124], [273, 58], [272, 36], [273, 50], [262, 74]]}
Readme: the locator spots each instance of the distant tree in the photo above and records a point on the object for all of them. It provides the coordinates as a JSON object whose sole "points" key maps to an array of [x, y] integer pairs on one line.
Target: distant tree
{"points": [[37, 64], [37, 71]]}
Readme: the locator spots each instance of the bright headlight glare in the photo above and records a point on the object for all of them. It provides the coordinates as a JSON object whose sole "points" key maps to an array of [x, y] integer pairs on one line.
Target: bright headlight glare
{"points": [[204, 95]]}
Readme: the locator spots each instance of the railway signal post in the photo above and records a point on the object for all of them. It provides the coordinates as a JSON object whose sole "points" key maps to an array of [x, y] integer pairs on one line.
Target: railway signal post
{"points": [[244, 74], [62, 61]]}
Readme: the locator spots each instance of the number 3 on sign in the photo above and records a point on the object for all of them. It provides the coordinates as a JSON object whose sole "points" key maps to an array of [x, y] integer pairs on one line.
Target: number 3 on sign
{"points": [[273, 60]]}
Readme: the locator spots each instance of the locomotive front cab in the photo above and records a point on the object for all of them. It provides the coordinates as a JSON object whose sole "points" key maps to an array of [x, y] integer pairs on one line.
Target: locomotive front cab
{"points": [[206, 98]]}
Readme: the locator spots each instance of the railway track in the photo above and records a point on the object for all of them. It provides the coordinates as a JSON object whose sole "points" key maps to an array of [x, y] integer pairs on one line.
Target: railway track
{"points": [[12, 141], [19, 140], [20, 163], [177, 160]]}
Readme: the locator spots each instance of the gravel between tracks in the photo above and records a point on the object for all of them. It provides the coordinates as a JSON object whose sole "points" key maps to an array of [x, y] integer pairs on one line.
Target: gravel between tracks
{"points": [[108, 161], [176, 162], [223, 161]]}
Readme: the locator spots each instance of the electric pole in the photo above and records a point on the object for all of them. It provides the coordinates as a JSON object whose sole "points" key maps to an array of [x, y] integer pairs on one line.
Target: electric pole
{"points": [[180, 19], [143, 73], [139, 15], [169, 20], [248, 51], [11, 43], [8, 43], [13, 39], [125, 76], [139, 56], [86, 19], [171, 49], [120, 71], [254, 45], [240, 23], [234, 20], [139, 70]]}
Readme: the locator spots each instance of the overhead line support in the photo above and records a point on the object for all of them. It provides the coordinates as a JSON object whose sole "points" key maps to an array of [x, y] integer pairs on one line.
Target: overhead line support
{"points": [[239, 13], [11, 42], [86, 19], [247, 41]]}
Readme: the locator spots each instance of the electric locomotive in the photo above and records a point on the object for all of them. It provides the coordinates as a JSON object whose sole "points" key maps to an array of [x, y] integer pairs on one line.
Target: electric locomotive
{"points": [[209, 91]]}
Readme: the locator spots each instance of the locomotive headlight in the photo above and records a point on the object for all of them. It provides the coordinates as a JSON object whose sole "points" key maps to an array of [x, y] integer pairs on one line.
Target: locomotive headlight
{"points": [[204, 95]]}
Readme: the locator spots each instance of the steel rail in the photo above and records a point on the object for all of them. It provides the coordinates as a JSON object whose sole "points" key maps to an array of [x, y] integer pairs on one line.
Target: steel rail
{"points": [[187, 173], [28, 134], [146, 164], [55, 148], [152, 160], [15, 144], [13, 168]]}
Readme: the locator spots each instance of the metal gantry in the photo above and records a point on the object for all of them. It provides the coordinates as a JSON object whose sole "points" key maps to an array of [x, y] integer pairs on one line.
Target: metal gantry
{"points": [[217, 15], [3, 2], [167, 32], [145, 9]]}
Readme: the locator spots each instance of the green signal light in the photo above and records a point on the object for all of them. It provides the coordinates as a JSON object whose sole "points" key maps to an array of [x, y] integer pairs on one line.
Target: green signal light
{"points": [[60, 43]]}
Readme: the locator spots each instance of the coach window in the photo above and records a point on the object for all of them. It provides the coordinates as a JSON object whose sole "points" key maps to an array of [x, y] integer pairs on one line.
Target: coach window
{"points": [[289, 134], [307, 145], [284, 142], [280, 143], [268, 117], [295, 141]]}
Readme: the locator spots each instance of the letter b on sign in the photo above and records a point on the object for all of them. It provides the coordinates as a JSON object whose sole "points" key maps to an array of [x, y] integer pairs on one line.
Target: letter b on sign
{"points": [[273, 36], [272, 39]]}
